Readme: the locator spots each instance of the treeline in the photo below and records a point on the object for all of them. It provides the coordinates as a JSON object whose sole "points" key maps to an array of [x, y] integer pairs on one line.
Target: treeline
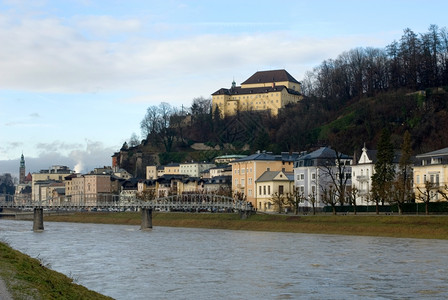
{"points": [[348, 101], [415, 62]]}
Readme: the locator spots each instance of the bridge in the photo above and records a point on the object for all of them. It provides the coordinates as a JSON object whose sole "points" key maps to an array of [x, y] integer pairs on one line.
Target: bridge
{"points": [[115, 203]]}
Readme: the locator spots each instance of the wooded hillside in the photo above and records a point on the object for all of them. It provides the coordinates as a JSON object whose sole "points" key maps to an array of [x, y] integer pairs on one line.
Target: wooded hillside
{"points": [[347, 102]]}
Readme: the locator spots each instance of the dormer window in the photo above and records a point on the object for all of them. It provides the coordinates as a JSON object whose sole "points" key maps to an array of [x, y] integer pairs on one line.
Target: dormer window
{"points": [[436, 160]]}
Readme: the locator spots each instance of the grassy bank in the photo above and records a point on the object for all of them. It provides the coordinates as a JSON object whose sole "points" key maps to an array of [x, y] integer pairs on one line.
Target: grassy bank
{"points": [[433, 227], [27, 278]]}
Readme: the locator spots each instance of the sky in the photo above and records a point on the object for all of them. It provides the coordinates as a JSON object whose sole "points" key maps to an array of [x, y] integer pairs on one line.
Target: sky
{"points": [[77, 76]]}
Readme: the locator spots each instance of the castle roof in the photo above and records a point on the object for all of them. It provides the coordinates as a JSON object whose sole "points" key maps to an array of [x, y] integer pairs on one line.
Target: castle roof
{"points": [[270, 76]]}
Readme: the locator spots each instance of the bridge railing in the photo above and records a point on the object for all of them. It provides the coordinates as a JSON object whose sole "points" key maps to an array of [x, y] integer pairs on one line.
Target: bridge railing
{"points": [[184, 202]]}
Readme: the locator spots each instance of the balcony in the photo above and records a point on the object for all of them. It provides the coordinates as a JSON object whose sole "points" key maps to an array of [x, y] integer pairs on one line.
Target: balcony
{"points": [[362, 178]]}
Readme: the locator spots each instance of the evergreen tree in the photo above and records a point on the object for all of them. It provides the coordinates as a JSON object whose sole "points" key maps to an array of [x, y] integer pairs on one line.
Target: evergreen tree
{"points": [[403, 184], [384, 170]]}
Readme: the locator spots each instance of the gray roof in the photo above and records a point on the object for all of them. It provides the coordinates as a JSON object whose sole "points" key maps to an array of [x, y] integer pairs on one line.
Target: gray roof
{"points": [[270, 175], [323, 153], [270, 76], [439, 152], [259, 156]]}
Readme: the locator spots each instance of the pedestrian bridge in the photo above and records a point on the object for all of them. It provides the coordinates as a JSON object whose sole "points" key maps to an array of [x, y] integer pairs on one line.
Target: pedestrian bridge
{"points": [[115, 203]]}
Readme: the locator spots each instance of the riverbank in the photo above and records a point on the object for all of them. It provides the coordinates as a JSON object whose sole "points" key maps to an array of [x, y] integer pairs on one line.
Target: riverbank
{"points": [[27, 278], [425, 227]]}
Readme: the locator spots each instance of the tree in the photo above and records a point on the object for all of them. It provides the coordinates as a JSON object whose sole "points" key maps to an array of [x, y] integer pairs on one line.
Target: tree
{"points": [[148, 194], [426, 194], [278, 200], [329, 197], [353, 194], [134, 141], [294, 199], [384, 170], [338, 171], [402, 187], [312, 199], [156, 124]]}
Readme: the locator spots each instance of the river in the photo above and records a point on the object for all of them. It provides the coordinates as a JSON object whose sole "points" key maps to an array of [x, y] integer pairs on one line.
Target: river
{"points": [[185, 263]]}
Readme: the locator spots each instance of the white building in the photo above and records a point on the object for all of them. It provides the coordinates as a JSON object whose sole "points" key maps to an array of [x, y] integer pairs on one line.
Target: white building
{"points": [[194, 169], [362, 172], [313, 173]]}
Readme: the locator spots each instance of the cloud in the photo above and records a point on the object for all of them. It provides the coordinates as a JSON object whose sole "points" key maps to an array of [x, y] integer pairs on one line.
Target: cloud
{"points": [[50, 56], [106, 26], [82, 157]]}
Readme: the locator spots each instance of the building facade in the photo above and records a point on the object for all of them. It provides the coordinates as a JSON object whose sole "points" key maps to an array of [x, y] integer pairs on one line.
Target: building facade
{"points": [[271, 183], [247, 170], [317, 171], [431, 167], [264, 91]]}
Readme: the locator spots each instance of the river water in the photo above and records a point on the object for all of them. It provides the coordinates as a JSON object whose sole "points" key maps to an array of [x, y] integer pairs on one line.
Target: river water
{"points": [[182, 263]]}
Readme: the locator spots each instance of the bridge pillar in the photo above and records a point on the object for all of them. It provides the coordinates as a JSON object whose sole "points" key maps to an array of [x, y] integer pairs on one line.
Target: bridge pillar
{"points": [[38, 221], [146, 219]]}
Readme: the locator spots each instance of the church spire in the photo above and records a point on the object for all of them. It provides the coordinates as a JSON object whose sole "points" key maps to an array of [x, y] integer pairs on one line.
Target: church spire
{"points": [[22, 169]]}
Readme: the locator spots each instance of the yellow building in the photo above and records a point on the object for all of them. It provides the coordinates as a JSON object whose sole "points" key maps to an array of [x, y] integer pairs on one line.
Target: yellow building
{"points": [[270, 183], [247, 170], [263, 91], [431, 167]]}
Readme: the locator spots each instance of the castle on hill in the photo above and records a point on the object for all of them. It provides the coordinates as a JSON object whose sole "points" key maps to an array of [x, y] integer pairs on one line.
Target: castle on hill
{"points": [[264, 91]]}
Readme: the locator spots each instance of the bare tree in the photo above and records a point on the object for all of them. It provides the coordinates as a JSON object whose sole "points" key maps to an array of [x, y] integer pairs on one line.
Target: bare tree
{"points": [[156, 124], [353, 194], [134, 141], [329, 197], [312, 199], [338, 170], [294, 199], [279, 201], [426, 194], [148, 194]]}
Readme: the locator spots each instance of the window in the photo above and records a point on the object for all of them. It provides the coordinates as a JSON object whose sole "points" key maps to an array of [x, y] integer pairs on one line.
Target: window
{"points": [[259, 192], [302, 189], [313, 176], [269, 189], [236, 181], [264, 190], [302, 176], [242, 171], [249, 181], [242, 182], [417, 179], [280, 189], [249, 192]]}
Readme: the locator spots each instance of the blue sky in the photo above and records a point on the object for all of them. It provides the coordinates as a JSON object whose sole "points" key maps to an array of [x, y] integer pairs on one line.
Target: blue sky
{"points": [[77, 76]]}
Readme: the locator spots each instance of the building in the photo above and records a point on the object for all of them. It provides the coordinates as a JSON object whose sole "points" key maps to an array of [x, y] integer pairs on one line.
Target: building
{"points": [[151, 172], [263, 91], [22, 170], [315, 172], [54, 174], [362, 172], [225, 159], [432, 169], [90, 188], [246, 171], [171, 169], [194, 169], [270, 183]]}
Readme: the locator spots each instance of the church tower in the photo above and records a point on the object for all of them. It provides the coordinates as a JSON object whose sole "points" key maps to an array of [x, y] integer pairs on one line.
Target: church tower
{"points": [[22, 170]]}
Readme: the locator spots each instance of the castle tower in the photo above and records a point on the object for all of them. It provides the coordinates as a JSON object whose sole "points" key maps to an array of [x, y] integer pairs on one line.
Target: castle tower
{"points": [[22, 170]]}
